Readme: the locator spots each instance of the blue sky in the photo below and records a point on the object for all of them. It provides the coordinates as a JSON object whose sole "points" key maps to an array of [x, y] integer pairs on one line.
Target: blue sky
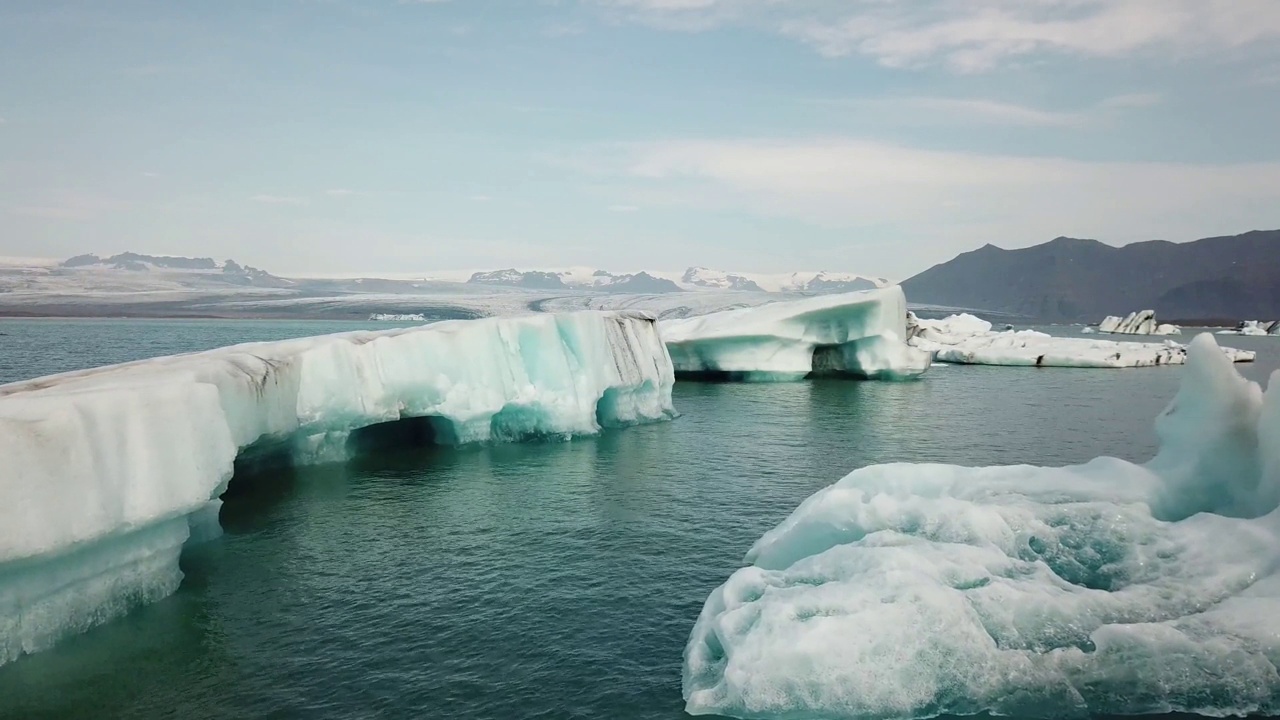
{"points": [[875, 136]]}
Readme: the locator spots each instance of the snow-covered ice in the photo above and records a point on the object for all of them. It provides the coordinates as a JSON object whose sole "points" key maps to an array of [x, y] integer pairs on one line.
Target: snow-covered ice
{"points": [[861, 334], [107, 472], [965, 339], [1142, 322], [911, 591], [398, 317]]}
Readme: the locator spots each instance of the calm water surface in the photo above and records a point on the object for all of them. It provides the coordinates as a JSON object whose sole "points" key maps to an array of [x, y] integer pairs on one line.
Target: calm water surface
{"points": [[538, 580]]}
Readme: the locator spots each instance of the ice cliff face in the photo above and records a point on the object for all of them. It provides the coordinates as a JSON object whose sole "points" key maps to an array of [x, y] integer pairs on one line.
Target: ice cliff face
{"points": [[1110, 588], [108, 472], [861, 334]]}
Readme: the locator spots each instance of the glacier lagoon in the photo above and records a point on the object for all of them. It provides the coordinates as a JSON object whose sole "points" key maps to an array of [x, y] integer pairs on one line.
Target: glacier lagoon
{"points": [[552, 579]]}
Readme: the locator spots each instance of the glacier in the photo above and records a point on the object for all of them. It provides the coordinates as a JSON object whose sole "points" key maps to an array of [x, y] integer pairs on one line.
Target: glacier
{"points": [[1142, 322], [109, 472], [860, 334], [1109, 588], [968, 340]]}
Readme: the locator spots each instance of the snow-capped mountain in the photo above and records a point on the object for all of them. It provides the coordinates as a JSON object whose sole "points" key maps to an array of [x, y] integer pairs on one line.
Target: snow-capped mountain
{"points": [[577, 278], [225, 271], [693, 279]]}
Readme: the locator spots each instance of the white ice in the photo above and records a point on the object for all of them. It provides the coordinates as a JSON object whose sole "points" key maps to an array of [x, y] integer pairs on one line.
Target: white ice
{"points": [[965, 339], [1142, 322], [107, 472], [861, 333], [911, 591], [1257, 328]]}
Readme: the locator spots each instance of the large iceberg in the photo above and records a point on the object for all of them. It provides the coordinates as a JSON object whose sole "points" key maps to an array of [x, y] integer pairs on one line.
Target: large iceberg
{"points": [[968, 340], [1142, 322], [911, 591], [860, 334], [108, 472]]}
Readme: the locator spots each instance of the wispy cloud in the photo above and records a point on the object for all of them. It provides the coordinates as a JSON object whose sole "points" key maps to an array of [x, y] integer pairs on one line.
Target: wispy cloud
{"points": [[623, 208], [68, 205], [980, 35], [945, 201], [344, 192], [918, 110], [149, 174], [479, 198], [279, 199]]}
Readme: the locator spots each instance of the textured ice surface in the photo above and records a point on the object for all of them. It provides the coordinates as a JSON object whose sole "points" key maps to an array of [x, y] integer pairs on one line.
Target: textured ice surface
{"points": [[106, 472], [1142, 322], [861, 334], [968, 340], [909, 591]]}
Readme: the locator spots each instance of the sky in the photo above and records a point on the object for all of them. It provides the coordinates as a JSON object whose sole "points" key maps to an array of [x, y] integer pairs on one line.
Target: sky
{"points": [[871, 136]]}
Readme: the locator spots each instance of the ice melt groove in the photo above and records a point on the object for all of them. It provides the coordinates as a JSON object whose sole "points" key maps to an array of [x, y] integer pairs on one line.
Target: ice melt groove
{"points": [[911, 591], [108, 472]]}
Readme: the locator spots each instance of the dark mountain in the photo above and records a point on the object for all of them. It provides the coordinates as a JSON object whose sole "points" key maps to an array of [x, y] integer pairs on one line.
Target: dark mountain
{"points": [[641, 282], [229, 271], [1068, 279]]}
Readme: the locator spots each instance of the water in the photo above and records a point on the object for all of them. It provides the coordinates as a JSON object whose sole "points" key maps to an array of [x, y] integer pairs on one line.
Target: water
{"points": [[539, 580]]}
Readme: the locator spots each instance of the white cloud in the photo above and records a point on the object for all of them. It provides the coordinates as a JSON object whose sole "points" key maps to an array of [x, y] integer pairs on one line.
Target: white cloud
{"points": [[979, 35], [279, 199], [68, 205], [915, 110], [946, 202]]}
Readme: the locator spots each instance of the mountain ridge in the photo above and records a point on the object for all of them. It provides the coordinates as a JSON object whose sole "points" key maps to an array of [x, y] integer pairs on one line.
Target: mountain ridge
{"points": [[1082, 279]]}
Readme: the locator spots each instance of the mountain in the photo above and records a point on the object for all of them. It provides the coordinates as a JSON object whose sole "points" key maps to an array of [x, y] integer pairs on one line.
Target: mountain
{"points": [[1070, 279], [695, 278], [718, 280], [228, 271], [514, 278]]}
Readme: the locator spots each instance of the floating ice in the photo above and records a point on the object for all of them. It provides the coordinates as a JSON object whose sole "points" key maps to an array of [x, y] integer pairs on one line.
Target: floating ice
{"points": [[860, 334], [107, 472], [968, 340], [911, 591], [1142, 322], [1254, 327], [398, 317]]}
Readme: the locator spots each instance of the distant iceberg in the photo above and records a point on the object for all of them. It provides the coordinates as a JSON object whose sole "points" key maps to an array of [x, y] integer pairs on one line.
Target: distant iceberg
{"points": [[108, 472], [1142, 322], [911, 591], [398, 317], [1258, 328], [965, 339], [860, 334]]}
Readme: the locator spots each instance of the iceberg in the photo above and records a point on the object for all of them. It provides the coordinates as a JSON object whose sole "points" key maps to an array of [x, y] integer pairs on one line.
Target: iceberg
{"points": [[108, 472], [398, 317], [968, 340], [1142, 322], [1109, 588], [1257, 328], [860, 334]]}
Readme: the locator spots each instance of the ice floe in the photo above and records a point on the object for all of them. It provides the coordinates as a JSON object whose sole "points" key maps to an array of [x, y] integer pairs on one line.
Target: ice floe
{"points": [[910, 591]]}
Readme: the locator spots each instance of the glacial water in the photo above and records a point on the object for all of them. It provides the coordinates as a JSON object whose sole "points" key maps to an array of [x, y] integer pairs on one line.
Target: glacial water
{"points": [[539, 580]]}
